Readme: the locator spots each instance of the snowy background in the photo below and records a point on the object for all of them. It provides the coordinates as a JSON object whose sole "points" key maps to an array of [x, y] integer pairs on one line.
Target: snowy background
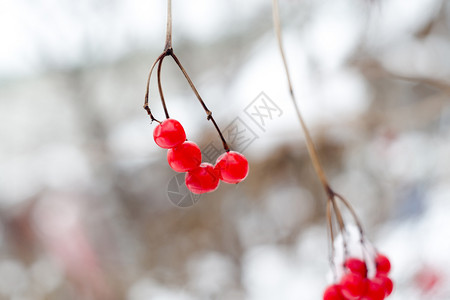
{"points": [[85, 211]]}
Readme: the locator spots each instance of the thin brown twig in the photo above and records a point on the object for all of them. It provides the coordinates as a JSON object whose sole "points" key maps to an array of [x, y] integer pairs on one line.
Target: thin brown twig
{"points": [[309, 142], [330, 223], [332, 205], [331, 240], [352, 212], [161, 94], [168, 51], [340, 221], [197, 94], [147, 92], [169, 26]]}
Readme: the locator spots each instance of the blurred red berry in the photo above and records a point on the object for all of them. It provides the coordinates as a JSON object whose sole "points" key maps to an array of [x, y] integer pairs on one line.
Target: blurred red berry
{"points": [[202, 179], [232, 167], [383, 264], [333, 292], [428, 278], [387, 283], [169, 133], [352, 286], [357, 266], [184, 157], [374, 290]]}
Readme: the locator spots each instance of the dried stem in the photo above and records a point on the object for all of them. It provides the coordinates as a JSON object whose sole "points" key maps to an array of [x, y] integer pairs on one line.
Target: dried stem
{"points": [[353, 213], [194, 89], [330, 223], [146, 106], [331, 240], [309, 142], [340, 221], [168, 51], [161, 94], [332, 205], [169, 26]]}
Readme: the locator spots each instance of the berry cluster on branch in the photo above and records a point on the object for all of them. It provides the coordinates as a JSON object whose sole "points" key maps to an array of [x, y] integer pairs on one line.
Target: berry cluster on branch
{"points": [[185, 156], [355, 284]]}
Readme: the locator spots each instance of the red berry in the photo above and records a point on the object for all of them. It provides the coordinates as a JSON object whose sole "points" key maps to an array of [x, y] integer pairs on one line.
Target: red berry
{"points": [[428, 278], [202, 179], [352, 286], [169, 133], [357, 266], [386, 282], [184, 157], [232, 167], [375, 290], [333, 292], [383, 264]]}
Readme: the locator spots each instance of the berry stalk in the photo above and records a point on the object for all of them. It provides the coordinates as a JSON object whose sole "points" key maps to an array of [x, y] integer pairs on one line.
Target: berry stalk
{"points": [[354, 283], [168, 51], [161, 94], [169, 26], [333, 208]]}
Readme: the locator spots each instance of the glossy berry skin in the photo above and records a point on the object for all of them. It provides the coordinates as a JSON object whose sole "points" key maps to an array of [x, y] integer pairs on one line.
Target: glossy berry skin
{"points": [[333, 292], [374, 291], [356, 266], [184, 157], [232, 167], [386, 282], [203, 179], [383, 264], [352, 286], [169, 133]]}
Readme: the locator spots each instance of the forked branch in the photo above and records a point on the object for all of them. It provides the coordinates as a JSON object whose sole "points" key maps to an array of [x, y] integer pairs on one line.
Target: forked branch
{"points": [[168, 51], [332, 205]]}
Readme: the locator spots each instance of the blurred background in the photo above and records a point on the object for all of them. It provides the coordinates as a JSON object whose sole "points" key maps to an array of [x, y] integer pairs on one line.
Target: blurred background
{"points": [[89, 208]]}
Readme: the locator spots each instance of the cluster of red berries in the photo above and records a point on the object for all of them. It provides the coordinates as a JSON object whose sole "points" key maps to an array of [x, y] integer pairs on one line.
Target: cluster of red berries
{"points": [[355, 285], [185, 156]]}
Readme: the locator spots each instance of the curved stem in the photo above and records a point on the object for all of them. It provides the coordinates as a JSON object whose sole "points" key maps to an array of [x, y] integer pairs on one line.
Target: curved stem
{"points": [[161, 95], [331, 241], [194, 89], [340, 220], [146, 107], [168, 50], [352, 212], [309, 142]]}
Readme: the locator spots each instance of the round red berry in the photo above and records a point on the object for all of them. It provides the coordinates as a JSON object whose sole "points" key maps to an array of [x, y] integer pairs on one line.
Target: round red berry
{"points": [[357, 266], [374, 290], [386, 282], [184, 157], [333, 292], [352, 286], [169, 133], [202, 179], [232, 167], [383, 264]]}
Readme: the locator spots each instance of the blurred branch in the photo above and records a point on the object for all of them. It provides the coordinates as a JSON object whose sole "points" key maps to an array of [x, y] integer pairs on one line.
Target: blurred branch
{"points": [[375, 69]]}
